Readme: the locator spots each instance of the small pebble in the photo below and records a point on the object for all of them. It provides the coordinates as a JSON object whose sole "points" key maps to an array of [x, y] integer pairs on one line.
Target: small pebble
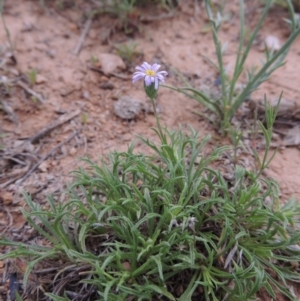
{"points": [[127, 108], [103, 78], [107, 86], [110, 63], [73, 151], [86, 94], [40, 79], [6, 197]]}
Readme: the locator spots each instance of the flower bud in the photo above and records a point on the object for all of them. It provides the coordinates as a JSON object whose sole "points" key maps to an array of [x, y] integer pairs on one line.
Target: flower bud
{"points": [[150, 91]]}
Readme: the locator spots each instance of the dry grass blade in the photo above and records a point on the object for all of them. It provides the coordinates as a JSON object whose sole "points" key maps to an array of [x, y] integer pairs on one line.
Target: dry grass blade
{"points": [[59, 279], [85, 31], [30, 91]]}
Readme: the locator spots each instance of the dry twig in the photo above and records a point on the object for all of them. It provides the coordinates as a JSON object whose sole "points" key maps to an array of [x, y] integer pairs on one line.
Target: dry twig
{"points": [[45, 131], [10, 221], [155, 18], [15, 175], [30, 91], [22, 150], [9, 111], [84, 32]]}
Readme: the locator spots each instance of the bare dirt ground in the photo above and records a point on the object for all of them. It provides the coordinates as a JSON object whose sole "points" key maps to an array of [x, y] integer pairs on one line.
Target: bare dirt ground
{"points": [[78, 83]]}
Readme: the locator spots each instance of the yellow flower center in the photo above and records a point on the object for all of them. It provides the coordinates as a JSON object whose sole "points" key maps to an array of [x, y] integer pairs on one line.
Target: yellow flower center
{"points": [[150, 72]]}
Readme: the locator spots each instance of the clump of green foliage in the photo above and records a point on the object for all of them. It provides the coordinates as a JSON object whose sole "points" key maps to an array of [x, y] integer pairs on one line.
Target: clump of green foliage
{"points": [[1, 143], [127, 51], [127, 11], [31, 75], [169, 226], [230, 100]]}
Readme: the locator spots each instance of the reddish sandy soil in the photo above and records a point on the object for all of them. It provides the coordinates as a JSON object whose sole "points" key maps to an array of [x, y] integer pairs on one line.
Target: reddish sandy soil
{"points": [[45, 39]]}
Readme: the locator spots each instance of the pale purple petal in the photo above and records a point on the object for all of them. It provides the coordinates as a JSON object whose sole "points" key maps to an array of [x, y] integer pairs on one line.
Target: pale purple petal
{"points": [[138, 73], [161, 79], [148, 80], [137, 77], [156, 83], [155, 67], [163, 73], [146, 66], [159, 75], [140, 68]]}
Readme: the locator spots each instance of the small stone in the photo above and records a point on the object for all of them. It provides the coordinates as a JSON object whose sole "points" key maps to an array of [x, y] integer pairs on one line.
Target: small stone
{"points": [[126, 137], [54, 163], [66, 91], [41, 47], [276, 137], [50, 177], [179, 36], [116, 95], [268, 201], [3, 79], [73, 27], [107, 86], [29, 147], [73, 151], [43, 166], [226, 26], [40, 79], [90, 134], [127, 108], [102, 118], [103, 78], [110, 63], [126, 265], [6, 198], [198, 160], [86, 94], [51, 53], [93, 34], [27, 27], [14, 72]]}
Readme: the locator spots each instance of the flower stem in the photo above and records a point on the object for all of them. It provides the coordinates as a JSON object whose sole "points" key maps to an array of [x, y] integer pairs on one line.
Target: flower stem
{"points": [[160, 132]]}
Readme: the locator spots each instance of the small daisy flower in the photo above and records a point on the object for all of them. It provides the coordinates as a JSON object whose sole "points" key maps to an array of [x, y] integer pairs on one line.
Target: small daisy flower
{"points": [[149, 74], [152, 78]]}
